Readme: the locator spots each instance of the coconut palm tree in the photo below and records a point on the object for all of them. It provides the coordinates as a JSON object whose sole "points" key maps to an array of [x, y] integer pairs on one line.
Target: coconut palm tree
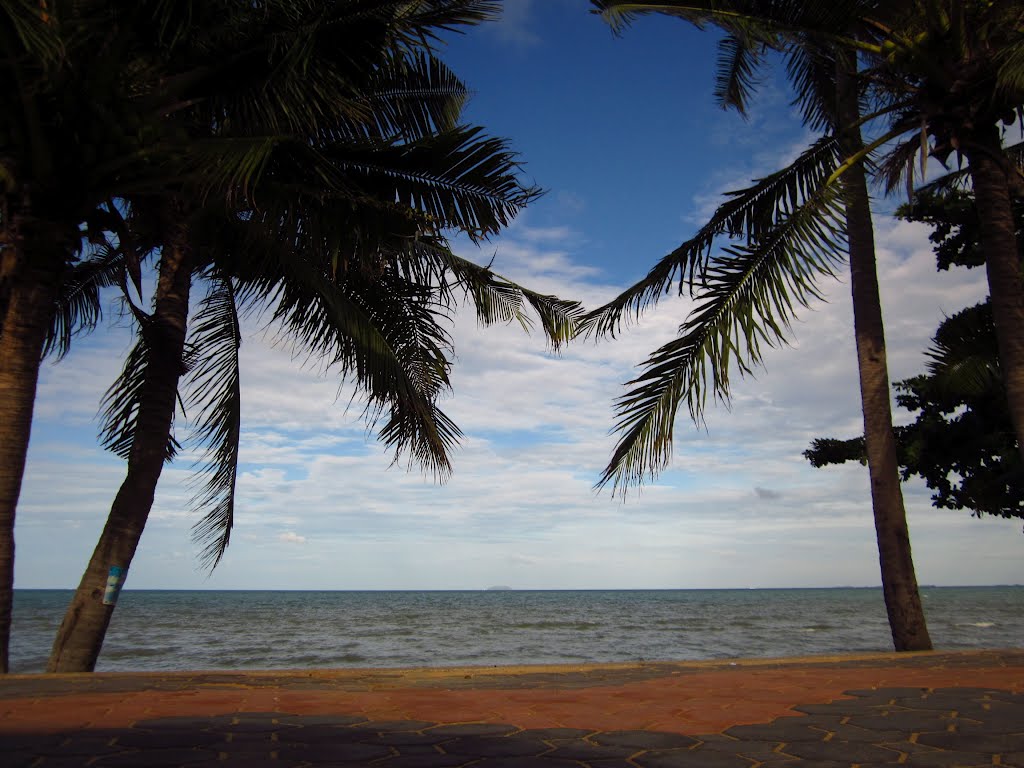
{"points": [[357, 199], [796, 223]]}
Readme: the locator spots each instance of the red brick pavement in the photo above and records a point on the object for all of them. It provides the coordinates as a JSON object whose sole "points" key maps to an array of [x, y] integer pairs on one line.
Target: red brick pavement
{"points": [[685, 698]]}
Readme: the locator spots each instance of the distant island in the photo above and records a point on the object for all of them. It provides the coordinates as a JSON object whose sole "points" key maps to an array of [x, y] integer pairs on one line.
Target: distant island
{"points": [[499, 588]]}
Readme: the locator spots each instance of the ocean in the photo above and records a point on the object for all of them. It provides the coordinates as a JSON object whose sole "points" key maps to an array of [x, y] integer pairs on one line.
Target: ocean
{"points": [[187, 630]]}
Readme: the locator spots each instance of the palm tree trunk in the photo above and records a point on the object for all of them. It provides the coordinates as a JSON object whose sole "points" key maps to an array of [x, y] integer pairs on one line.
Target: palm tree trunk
{"points": [[1003, 264], [28, 291], [80, 637], [899, 581]]}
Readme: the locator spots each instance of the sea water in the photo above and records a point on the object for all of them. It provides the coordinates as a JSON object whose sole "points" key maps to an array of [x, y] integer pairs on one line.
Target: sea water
{"points": [[177, 630]]}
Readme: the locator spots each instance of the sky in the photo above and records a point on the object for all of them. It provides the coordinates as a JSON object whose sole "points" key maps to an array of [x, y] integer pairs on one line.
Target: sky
{"points": [[624, 136]]}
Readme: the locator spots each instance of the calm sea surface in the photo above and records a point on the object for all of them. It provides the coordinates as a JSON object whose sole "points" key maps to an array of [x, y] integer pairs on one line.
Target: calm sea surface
{"points": [[168, 630]]}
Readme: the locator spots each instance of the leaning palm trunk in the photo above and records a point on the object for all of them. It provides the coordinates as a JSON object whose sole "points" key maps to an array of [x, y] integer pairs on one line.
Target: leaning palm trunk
{"points": [[1003, 264], [81, 634], [30, 279], [899, 582]]}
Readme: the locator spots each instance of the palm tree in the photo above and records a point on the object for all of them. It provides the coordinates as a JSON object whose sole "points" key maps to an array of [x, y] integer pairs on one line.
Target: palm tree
{"points": [[353, 204], [57, 60], [949, 72], [795, 222]]}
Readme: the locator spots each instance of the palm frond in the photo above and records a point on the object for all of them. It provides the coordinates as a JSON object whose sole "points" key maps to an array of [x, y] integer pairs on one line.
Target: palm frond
{"points": [[736, 78], [215, 401], [334, 325], [748, 213], [459, 179], [79, 308], [749, 300], [119, 408]]}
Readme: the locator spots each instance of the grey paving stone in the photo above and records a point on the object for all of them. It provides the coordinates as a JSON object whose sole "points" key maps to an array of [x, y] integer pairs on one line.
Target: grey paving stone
{"points": [[946, 759], [752, 749], [29, 742], [496, 746], [559, 733], [181, 723], [473, 729], [80, 744], [155, 757], [307, 720], [986, 743], [252, 761], [643, 739], [62, 761], [523, 762], [856, 733], [684, 758], [390, 726], [905, 721], [323, 734], [758, 732], [435, 760], [19, 759], [166, 739], [333, 753], [577, 749], [841, 751], [403, 738]]}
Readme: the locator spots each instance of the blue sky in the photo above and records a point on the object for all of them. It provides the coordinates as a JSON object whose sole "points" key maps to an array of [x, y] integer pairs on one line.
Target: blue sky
{"points": [[624, 136]]}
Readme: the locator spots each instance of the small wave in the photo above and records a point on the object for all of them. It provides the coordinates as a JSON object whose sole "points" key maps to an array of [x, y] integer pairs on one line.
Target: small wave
{"points": [[981, 624], [576, 625]]}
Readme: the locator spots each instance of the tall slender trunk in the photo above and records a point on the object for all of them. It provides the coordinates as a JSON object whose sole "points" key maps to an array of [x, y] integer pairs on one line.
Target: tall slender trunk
{"points": [[899, 581], [1003, 264], [80, 637], [31, 278]]}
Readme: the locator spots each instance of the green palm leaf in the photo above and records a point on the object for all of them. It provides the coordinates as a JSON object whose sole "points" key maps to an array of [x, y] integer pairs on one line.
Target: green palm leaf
{"points": [[214, 384], [748, 213], [748, 300]]}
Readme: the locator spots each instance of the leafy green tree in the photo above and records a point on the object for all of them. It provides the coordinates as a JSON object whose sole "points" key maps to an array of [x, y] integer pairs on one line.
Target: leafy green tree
{"points": [[962, 442], [794, 226], [356, 198]]}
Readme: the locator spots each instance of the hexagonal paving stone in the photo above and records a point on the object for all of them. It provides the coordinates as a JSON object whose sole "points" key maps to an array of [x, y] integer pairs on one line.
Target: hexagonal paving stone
{"points": [[643, 739], [411, 738], [559, 733], [80, 744], [577, 749], [20, 759], [166, 739], [305, 720], [473, 729], [904, 721], [352, 752], [155, 757], [182, 723], [942, 758], [986, 743], [841, 751], [324, 734], [776, 731], [393, 726], [435, 760], [523, 762], [685, 758], [496, 746], [755, 750]]}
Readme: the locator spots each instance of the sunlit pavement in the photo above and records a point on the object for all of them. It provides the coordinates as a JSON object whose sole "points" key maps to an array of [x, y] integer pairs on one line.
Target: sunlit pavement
{"points": [[929, 710]]}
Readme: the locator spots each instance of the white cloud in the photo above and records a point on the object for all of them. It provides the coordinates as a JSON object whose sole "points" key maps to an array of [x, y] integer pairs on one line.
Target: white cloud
{"points": [[290, 537]]}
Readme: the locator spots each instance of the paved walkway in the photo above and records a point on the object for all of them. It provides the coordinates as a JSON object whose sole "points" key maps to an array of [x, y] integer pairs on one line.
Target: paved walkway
{"points": [[934, 710]]}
